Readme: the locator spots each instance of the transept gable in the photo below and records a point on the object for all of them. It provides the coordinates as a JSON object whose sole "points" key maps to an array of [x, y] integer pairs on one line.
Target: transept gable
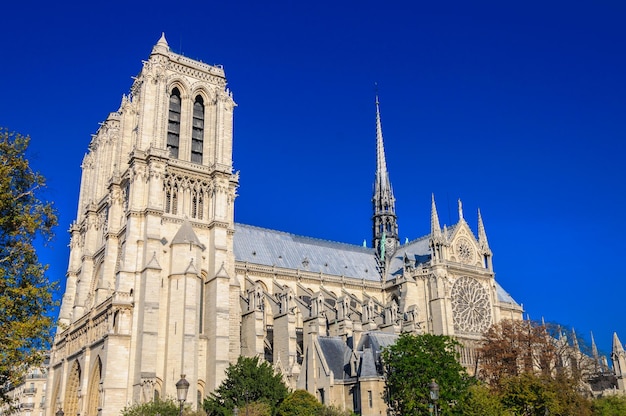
{"points": [[464, 246]]}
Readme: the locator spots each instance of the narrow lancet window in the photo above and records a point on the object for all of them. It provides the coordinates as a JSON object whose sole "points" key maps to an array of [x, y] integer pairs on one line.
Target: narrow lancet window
{"points": [[200, 207], [173, 124], [194, 206], [197, 134], [175, 202], [168, 201]]}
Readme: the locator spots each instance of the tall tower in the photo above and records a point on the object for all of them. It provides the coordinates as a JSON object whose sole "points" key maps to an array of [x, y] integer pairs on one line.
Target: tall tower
{"points": [[385, 224], [151, 290]]}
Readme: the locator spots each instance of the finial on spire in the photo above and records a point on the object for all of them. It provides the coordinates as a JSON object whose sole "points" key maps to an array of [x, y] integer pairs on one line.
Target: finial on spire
{"points": [[162, 45], [575, 340], [460, 210], [435, 228], [482, 235], [617, 345], [594, 348]]}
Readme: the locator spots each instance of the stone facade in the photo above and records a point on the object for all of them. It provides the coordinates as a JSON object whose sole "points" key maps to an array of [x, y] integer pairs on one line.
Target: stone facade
{"points": [[161, 281], [30, 395]]}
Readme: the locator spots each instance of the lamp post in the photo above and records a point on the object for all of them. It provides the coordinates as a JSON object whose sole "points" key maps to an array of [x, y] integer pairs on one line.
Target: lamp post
{"points": [[434, 394], [182, 387]]}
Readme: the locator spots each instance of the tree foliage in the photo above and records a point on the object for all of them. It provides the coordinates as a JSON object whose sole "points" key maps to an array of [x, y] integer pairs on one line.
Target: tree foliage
{"points": [[303, 403], [609, 406], [165, 407], [515, 347], [480, 401], [412, 363], [160, 407], [256, 409], [534, 370], [249, 380], [25, 291], [300, 402]]}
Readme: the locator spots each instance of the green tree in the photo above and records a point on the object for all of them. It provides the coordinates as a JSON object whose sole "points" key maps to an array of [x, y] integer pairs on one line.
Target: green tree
{"points": [[26, 299], [300, 402], [161, 407], [609, 406], [256, 409], [164, 407], [334, 411], [537, 395], [249, 380], [412, 363], [532, 370], [481, 401]]}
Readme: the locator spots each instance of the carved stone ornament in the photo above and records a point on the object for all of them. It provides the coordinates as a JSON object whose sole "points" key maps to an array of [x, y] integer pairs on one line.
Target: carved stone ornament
{"points": [[471, 307], [464, 250]]}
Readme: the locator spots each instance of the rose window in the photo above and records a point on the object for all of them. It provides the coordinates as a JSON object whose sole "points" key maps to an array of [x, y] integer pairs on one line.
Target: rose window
{"points": [[470, 306]]}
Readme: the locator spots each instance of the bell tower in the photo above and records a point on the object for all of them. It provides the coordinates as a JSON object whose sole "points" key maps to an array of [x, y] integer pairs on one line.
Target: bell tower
{"points": [[151, 276]]}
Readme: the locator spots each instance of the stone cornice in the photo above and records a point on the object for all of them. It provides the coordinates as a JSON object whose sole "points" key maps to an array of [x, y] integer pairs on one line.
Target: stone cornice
{"points": [[304, 276]]}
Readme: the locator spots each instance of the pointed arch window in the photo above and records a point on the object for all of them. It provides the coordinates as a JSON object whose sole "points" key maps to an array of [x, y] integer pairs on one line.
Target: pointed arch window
{"points": [[174, 201], [194, 205], [197, 133], [173, 123], [200, 206], [171, 200]]}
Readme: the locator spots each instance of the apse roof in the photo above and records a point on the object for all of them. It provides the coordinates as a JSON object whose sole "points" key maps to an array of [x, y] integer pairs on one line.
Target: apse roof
{"points": [[503, 295]]}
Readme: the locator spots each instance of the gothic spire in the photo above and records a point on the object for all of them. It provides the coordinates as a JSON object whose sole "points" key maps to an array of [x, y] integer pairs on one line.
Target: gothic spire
{"points": [[617, 345], [594, 348], [482, 235], [575, 340], [385, 231], [435, 228]]}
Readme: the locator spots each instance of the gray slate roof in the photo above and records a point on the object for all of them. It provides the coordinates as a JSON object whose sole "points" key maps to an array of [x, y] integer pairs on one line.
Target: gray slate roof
{"points": [[276, 248], [337, 356], [417, 251], [267, 247], [503, 295], [370, 347]]}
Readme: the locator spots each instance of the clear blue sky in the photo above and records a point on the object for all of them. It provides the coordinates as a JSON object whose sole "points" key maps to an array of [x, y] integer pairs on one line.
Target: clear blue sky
{"points": [[517, 108]]}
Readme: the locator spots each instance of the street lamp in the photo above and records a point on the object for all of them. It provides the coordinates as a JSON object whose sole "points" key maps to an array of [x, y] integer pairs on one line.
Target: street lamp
{"points": [[182, 387], [434, 394]]}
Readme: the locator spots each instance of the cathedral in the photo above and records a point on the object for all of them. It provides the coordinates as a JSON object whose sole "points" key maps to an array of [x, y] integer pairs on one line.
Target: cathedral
{"points": [[162, 282]]}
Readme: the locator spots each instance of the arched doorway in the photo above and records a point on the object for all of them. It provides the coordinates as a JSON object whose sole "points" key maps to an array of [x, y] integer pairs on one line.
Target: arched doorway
{"points": [[93, 390], [70, 404]]}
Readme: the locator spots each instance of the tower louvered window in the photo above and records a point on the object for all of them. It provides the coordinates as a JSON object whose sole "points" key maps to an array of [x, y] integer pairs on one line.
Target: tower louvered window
{"points": [[197, 134], [173, 124], [171, 200], [197, 205]]}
